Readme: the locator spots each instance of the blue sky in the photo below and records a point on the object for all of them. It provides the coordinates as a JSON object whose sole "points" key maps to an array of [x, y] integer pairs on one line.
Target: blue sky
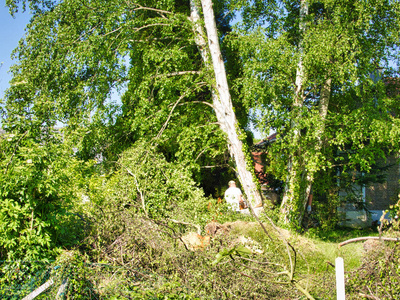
{"points": [[12, 30]]}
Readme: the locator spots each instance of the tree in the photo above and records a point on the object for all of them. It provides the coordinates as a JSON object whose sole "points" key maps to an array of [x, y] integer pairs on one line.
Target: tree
{"points": [[222, 99], [76, 55], [112, 32], [151, 51], [293, 163], [310, 76]]}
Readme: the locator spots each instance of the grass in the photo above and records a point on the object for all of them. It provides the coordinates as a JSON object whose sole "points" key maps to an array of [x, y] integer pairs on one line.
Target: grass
{"points": [[319, 248], [327, 243], [316, 253]]}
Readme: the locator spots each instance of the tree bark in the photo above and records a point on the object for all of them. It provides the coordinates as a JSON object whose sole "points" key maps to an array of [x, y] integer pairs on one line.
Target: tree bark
{"points": [[293, 179], [221, 97], [320, 127], [300, 178]]}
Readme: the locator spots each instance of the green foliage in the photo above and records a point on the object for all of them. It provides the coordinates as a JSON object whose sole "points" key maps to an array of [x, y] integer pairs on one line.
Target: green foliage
{"points": [[158, 263], [73, 269], [163, 133], [146, 262], [390, 217], [238, 250], [40, 187], [19, 278], [271, 212], [395, 210], [345, 43], [156, 187], [144, 187], [338, 234], [114, 74]]}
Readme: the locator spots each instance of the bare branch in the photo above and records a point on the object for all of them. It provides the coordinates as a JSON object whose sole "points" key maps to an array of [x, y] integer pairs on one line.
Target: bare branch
{"points": [[115, 39], [201, 152], [219, 166], [368, 296], [289, 246], [137, 187], [115, 30], [186, 223], [150, 25], [157, 39], [304, 291], [170, 115], [178, 73], [152, 9], [202, 102], [368, 238]]}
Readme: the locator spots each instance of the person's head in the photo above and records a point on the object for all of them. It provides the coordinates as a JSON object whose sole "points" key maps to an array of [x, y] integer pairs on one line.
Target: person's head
{"points": [[232, 183]]}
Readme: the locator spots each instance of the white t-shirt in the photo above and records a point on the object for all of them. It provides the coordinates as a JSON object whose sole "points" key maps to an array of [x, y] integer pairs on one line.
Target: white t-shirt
{"points": [[232, 196]]}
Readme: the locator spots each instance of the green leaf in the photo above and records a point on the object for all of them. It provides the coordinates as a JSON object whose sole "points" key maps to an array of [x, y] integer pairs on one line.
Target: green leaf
{"points": [[242, 250]]}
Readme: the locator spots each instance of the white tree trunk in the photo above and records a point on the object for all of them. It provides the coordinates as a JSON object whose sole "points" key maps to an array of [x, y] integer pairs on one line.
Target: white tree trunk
{"points": [[292, 179], [322, 113], [221, 97]]}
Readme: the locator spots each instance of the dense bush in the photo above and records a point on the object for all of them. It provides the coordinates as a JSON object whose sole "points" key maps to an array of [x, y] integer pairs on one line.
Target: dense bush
{"points": [[40, 195]]}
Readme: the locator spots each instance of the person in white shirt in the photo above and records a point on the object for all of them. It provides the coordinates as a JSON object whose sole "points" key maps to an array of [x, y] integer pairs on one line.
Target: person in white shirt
{"points": [[233, 196]]}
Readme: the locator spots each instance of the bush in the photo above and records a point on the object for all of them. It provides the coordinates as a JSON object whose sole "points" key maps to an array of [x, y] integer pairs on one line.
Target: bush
{"points": [[379, 276], [40, 184]]}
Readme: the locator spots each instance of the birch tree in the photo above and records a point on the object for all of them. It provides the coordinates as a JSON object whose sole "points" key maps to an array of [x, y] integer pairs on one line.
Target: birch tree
{"points": [[294, 163], [221, 97], [305, 72]]}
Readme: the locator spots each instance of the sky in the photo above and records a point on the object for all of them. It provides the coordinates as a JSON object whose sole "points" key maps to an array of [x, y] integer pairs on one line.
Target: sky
{"points": [[12, 30]]}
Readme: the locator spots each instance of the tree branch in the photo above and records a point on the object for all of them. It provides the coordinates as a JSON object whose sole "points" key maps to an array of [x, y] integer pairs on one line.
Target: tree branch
{"points": [[368, 296], [368, 238], [201, 152], [208, 124], [115, 30], [157, 39], [150, 25], [15, 150], [137, 188], [219, 166], [177, 73], [152, 9], [170, 115], [202, 102], [304, 291], [186, 223]]}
